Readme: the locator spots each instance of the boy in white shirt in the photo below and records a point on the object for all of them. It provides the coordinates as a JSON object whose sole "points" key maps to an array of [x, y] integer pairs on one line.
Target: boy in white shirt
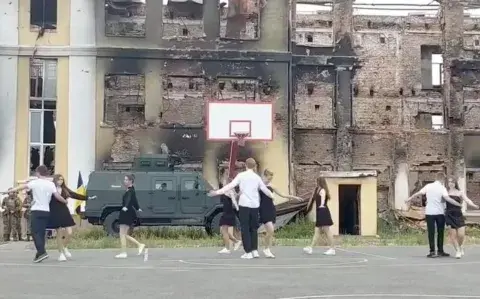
{"points": [[42, 190]]}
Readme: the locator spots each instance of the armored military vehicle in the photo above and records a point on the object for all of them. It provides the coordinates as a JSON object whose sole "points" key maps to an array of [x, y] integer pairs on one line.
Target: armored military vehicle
{"points": [[167, 195]]}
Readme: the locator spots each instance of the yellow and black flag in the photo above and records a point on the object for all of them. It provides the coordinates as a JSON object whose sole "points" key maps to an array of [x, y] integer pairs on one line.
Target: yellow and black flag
{"points": [[82, 191]]}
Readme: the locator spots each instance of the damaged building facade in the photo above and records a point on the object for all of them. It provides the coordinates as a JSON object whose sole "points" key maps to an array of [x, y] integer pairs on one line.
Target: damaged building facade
{"points": [[84, 82]]}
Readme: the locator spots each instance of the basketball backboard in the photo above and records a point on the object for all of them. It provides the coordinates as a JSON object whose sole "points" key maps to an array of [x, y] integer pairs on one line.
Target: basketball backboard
{"points": [[225, 120]]}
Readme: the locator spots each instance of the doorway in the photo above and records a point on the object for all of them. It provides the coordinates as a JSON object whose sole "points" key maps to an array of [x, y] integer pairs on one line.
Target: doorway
{"points": [[349, 209]]}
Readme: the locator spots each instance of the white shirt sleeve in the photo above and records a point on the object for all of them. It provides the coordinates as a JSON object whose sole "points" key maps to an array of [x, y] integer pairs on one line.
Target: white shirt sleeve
{"points": [[31, 184], [53, 188], [234, 183], [424, 189]]}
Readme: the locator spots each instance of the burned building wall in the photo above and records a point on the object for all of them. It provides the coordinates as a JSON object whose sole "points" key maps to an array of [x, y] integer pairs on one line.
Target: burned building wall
{"points": [[397, 95], [200, 24], [174, 96]]}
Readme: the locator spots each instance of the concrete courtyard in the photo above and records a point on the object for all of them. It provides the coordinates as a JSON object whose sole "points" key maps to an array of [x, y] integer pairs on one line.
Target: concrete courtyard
{"points": [[373, 272]]}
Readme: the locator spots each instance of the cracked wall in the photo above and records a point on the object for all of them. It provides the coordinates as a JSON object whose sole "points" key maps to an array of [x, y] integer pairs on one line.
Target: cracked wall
{"points": [[395, 97]]}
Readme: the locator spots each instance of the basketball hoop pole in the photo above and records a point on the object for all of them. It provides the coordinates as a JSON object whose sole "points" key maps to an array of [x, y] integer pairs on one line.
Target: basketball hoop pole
{"points": [[234, 146], [232, 167]]}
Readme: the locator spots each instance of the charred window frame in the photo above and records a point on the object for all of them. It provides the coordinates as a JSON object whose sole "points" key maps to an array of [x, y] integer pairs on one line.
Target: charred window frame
{"points": [[124, 102], [432, 67], [240, 19], [125, 18], [238, 89], [42, 113], [183, 19], [43, 14]]}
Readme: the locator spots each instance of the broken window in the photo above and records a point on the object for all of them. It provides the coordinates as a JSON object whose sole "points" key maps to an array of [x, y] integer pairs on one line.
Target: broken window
{"points": [[238, 89], [42, 112], [437, 70], [125, 18], [429, 121], [240, 19], [183, 18], [182, 97], [124, 99], [43, 14], [432, 67]]}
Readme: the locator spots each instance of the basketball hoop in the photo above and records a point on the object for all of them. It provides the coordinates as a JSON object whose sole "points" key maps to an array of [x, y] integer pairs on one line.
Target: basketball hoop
{"points": [[241, 138]]}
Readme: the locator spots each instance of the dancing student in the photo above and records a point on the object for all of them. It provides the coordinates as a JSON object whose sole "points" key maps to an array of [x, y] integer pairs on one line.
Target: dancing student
{"points": [[42, 190], [228, 220], [61, 219], [128, 216], [268, 212], [436, 194], [250, 183], [320, 198], [454, 218]]}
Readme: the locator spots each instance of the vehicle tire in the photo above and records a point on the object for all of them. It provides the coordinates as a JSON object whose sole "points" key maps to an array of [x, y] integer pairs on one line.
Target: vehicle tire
{"points": [[213, 226], [110, 224]]}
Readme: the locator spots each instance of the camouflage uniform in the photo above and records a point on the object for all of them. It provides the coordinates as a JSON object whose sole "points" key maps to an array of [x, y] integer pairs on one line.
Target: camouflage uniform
{"points": [[27, 203], [12, 217]]}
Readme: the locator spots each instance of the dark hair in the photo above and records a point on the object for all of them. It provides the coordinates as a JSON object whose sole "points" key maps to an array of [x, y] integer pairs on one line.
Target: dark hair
{"points": [[322, 184], [455, 181], [42, 170], [65, 190], [130, 177]]}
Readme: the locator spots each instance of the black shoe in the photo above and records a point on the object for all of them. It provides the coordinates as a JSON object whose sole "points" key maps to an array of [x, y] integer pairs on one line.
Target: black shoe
{"points": [[432, 254], [443, 254], [40, 257]]}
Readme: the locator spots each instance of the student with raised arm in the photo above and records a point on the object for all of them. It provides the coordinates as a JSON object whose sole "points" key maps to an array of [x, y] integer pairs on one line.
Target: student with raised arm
{"points": [[437, 195], [250, 183], [42, 190]]}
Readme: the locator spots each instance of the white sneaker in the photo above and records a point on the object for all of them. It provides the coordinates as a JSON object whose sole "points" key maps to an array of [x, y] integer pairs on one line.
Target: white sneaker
{"points": [[458, 254], [331, 251], [462, 251], [141, 247], [308, 250], [268, 253], [224, 251], [122, 255], [255, 254], [237, 245], [247, 256], [67, 252], [62, 257]]}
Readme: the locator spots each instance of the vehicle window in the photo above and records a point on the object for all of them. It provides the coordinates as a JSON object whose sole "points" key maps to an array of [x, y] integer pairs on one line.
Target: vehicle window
{"points": [[189, 185], [164, 185]]}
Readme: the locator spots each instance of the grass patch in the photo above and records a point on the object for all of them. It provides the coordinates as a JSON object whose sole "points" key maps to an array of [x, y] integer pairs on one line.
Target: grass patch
{"points": [[298, 233]]}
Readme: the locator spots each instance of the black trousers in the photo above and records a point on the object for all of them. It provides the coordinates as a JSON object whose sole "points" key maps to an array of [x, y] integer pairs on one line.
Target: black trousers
{"points": [[39, 222], [249, 227], [439, 222]]}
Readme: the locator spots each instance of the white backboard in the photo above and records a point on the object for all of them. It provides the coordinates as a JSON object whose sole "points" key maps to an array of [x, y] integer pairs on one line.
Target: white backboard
{"points": [[224, 119]]}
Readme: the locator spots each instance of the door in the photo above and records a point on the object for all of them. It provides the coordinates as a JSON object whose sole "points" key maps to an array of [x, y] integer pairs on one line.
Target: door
{"points": [[164, 195], [192, 196]]}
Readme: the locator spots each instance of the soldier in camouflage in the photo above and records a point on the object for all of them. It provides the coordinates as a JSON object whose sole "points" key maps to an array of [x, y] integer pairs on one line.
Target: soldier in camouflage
{"points": [[27, 203], [12, 215]]}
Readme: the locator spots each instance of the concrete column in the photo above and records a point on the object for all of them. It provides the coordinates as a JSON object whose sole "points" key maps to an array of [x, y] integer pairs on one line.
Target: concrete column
{"points": [[8, 91], [343, 26], [82, 92], [453, 21], [343, 119]]}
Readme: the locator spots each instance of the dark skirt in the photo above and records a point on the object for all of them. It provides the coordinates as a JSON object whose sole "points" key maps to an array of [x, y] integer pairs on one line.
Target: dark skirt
{"points": [[268, 213], [128, 217], [60, 216], [228, 217], [454, 219], [324, 218]]}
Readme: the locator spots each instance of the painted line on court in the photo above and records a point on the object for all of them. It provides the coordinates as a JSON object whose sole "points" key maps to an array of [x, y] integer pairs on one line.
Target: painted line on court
{"points": [[367, 254], [382, 296], [76, 266], [247, 266]]}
